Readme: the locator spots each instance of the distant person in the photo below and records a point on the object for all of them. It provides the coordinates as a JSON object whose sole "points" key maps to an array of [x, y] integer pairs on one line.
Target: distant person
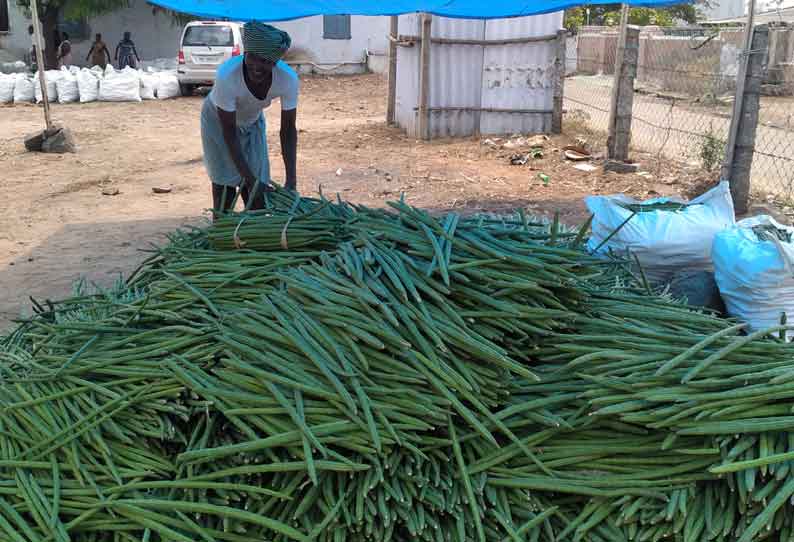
{"points": [[126, 54], [233, 132], [98, 55], [65, 51], [34, 63]]}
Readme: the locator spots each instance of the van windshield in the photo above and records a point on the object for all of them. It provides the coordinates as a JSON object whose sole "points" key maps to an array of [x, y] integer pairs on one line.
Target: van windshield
{"points": [[212, 36]]}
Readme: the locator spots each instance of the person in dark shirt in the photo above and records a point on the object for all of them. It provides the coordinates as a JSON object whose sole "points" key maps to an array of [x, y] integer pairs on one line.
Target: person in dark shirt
{"points": [[126, 54]]}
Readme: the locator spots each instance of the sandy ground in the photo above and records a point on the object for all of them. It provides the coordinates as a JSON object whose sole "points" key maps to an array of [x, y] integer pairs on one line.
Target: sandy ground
{"points": [[56, 226]]}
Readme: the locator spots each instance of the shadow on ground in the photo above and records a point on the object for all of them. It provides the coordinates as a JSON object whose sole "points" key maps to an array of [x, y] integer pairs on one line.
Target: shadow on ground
{"points": [[75, 255]]}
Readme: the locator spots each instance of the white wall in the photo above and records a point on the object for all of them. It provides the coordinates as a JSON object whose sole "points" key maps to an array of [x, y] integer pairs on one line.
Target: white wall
{"points": [[155, 34], [725, 9], [15, 43], [157, 37], [308, 44]]}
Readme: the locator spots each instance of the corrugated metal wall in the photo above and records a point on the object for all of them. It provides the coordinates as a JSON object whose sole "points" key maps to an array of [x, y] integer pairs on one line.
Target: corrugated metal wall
{"points": [[408, 76], [465, 78], [455, 77]]}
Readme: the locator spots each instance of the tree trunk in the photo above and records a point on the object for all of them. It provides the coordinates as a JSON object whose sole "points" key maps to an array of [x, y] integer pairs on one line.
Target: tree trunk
{"points": [[49, 25]]}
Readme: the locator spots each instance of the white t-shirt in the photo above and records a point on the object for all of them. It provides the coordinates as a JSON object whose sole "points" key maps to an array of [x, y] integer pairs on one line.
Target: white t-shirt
{"points": [[230, 92]]}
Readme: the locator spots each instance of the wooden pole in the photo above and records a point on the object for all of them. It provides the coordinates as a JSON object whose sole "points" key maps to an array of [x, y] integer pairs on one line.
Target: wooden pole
{"points": [[40, 61], [559, 82], [424, 77], [391, 111], [741, 77], [743, 148], [619, 139], [624, 23]]}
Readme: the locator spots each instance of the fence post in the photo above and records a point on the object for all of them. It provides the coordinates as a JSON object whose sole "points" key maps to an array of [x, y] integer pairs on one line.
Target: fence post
{"points": [[391, 112], [424, 77], [741, 145], [622, 99], [559, 82]]}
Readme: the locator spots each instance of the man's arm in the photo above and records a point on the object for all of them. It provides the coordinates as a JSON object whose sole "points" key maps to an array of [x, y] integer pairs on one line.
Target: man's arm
{"points": [[134, 50], [229, 127], [289, 147], [116, 55], [91, 50], [107, 52]]}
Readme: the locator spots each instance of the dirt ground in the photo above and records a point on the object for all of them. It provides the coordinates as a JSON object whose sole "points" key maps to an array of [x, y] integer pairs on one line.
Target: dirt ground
{"points": [[57, 226]]}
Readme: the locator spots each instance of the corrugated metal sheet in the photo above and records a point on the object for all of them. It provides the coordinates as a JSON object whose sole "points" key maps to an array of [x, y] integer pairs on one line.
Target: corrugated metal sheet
{"points": [[455, 77], [464, 78], [519, 76], [408, 77]]}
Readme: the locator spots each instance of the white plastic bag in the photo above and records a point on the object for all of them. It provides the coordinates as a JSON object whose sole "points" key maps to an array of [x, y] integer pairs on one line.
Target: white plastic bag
{"points": [[755, 274], [663, 241], [88, 85], [23, 89], [167, 86], [122, 86], [7, 88], [149, 83], [51, 79], [68, 90], [18, 66], [98, 72]]}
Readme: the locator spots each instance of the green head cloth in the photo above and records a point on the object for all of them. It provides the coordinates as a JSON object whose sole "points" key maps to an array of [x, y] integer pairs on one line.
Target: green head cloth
{"points": [[266, 41]]}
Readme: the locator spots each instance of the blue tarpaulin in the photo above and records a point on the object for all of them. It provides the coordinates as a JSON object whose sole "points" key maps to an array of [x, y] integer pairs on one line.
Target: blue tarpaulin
{"points": [[284, 10]]}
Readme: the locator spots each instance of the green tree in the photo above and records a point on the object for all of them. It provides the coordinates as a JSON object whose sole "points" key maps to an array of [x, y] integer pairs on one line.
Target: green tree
{"points": [[53, 11], [609, 15]]}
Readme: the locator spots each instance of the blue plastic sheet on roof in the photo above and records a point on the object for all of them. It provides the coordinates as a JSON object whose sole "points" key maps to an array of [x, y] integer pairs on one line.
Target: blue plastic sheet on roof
{"points": [[284, 10]]}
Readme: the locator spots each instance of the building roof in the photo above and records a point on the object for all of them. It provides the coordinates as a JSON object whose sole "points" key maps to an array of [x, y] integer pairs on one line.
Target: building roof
{"points": [[782, 15]]}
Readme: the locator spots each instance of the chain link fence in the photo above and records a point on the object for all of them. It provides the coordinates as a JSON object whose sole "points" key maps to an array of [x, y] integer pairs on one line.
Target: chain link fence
{"points": [[684, 92], [773, 160]]}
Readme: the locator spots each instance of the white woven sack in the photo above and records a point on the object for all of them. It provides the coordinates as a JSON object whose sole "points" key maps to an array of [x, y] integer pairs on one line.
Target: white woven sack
{"points": [[167, 86], [88, 85], [120, 86], [7, 82], [149, 83], [68, 90], [23, 89], [755, 274], [663, 241], [51, 79]]}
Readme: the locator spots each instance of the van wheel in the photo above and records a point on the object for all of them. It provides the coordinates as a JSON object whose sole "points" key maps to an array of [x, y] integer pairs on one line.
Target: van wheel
{"points": [[186, 90]]}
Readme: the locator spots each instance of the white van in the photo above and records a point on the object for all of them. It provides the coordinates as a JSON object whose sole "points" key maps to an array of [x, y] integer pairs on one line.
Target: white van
{"points": [[204, 46]]}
